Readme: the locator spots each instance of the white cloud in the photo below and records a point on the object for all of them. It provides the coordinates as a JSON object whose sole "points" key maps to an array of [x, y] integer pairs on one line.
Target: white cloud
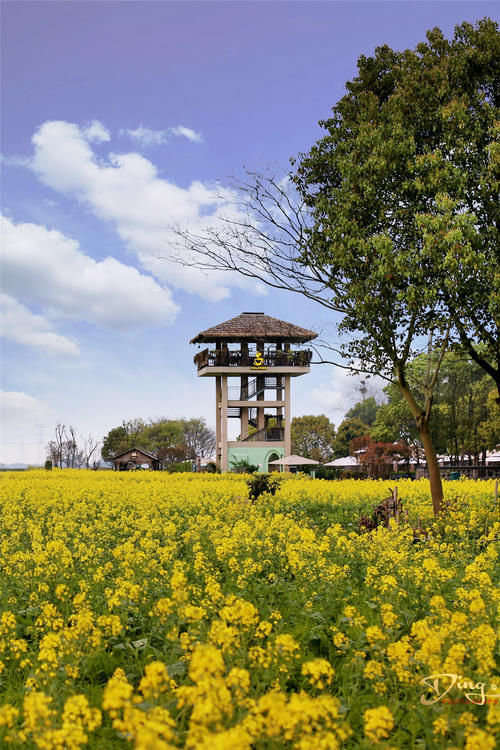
{"points": [[338, 395], [15, 161], [24, 327], [97, 132], [147, 137], [127, 191], [20, 408], [331, 400], [188, 133], [46, 268], [343, 391]]}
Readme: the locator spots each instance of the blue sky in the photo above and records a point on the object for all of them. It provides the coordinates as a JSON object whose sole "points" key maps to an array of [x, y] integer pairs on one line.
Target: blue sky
{"points": [[117, 119]]}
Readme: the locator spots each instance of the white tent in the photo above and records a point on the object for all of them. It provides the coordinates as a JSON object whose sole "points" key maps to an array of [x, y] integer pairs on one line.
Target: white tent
{"points": [[344, 463], [293, 461], [493, 458]]}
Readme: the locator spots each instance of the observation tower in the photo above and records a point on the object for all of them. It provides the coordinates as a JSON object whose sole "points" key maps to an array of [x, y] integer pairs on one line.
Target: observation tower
{"points": [[252, 362]]}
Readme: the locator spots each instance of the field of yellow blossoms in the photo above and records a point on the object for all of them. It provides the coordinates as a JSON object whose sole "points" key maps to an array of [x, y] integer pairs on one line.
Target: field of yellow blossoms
{"points": [[155, 611]]}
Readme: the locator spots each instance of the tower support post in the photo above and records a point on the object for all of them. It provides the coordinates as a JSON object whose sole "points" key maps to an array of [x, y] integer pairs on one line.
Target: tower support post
{"points": [[218, 421], [288, 428], [224, 451]]}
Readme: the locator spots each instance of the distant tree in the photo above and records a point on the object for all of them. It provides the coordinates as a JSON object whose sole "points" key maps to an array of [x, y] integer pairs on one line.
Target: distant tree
{"points": [[378, 458], [395, 422], [122, 438], [313, 437], [173, 454], [462, 422], [60, 437], [89, 451], [347, 431], [198, 438], [53, 453], [115, 442], [163, 437], [71, 451], [365, 410], [490, 429]]}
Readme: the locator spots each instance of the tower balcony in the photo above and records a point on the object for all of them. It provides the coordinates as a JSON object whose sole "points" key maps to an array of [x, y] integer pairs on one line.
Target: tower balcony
{"points": [[227, 362]]}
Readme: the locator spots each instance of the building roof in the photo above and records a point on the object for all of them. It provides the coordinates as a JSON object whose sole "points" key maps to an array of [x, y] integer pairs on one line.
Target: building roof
{"points": [[254, 325], [136, 450]]}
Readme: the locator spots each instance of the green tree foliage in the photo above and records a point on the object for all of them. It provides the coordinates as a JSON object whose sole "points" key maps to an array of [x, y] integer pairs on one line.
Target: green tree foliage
{"points": [[365, 410], [407, 176], [394, 421], [165, 438], [490, 429], [313, 437], [348, 430], [122, 438]]}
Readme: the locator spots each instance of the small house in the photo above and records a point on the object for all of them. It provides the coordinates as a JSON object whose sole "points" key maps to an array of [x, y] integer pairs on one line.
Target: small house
{"points": [[135, 458]]}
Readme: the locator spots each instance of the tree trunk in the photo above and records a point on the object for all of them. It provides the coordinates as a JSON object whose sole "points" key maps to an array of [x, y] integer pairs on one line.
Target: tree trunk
{"points": [[433, 468], [422, 422]]}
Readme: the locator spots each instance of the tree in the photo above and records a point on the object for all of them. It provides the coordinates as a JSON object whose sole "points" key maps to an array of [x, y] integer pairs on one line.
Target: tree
{"points": [[349, 430], [462, 422], [121, 438], [89, 448], [395, 422], [53, 454], [198, 438], [394, 223], [377, 458], [365, 410], [462, 408], [70, 450], [57, 444], [313, 437], [164, 438]]}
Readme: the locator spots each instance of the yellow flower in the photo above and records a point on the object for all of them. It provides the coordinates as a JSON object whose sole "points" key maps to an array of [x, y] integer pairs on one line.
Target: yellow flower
{"points": [[117, 693], [156, 680], [374, 634], [8, 715], [373, 670], [319, 671], [440, 725], [378, 723], [478, 739]]}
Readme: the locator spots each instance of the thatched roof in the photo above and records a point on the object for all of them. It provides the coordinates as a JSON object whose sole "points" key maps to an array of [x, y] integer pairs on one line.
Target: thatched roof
{"points": [[250, 326]]}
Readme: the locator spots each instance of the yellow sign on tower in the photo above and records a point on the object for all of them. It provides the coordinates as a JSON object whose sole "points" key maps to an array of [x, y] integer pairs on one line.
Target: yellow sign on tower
{"points": [[258, 362]]}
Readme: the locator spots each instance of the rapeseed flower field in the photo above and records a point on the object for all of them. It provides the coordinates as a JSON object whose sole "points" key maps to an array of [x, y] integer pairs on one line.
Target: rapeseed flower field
{"points": [[154, 611]]}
